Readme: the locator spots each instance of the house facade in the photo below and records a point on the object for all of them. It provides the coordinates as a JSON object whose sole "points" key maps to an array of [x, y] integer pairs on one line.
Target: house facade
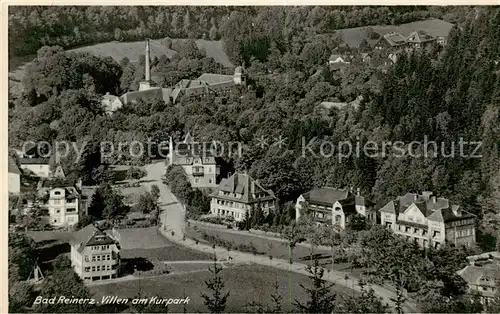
{"points": [[196, 159], [332, 206], [95, 255], [62, 201], [428, 220], [241, 194]]}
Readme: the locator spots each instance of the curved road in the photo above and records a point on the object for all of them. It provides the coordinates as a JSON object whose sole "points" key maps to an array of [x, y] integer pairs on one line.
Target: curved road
{"points": [[172, 219]]}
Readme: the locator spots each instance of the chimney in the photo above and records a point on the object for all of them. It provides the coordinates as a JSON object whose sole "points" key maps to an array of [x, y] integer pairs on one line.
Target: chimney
{"points": [[433, 199], [147, 69], [415, 197], [426, 195], [229, 174], [456, 210], [358, 191]]}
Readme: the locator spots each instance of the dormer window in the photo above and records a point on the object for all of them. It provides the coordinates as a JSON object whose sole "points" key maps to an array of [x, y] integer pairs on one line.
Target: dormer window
{"points": [[57, 193]]}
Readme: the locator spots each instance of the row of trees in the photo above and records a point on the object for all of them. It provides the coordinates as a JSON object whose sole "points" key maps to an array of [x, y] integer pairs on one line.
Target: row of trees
{"points": [[196, 201]]}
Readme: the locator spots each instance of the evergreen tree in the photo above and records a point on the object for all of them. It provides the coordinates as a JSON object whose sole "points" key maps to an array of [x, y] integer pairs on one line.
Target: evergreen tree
{"points": [[320, 297], [216, 301]]}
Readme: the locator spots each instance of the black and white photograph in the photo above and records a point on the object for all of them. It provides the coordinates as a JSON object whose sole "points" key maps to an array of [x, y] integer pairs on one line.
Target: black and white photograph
{"points": [[236, 158]]}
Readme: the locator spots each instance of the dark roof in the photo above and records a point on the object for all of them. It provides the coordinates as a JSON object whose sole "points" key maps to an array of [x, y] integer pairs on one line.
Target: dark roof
{"points": [[148, 94], [88, 237], [34, 161], [325, 196], [12, 166], [245, 185]]}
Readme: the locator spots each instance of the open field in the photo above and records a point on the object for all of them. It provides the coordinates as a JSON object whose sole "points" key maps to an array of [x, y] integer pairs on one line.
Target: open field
{"points": [[117, 51], [241, 281]]}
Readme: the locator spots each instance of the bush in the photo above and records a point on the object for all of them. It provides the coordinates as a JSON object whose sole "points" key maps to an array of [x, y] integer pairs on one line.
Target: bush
{"points": [[159, 269]]}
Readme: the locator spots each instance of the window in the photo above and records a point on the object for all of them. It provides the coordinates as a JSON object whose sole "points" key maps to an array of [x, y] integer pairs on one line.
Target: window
{"points": [[86, 258], [93, 258], [57, 193], [58, 211], [93, 268], [108, 257], [338, 218], [209, 180], [87, 269], [98, 267], [196, 181], [98, 257]]}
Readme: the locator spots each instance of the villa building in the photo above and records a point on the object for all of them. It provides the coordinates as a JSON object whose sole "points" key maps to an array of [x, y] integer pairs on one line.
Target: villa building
{"points": [[429, 220], [196, 159], [95, 255], [241, 194], [332, 206], [62, 200]]}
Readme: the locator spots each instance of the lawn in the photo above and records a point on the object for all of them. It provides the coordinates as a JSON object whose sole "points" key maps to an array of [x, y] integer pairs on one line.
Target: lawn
{"points": [[148, 243], [245, 284]]}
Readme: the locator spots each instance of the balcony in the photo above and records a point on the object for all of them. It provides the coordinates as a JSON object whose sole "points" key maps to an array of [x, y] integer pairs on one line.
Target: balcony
{"points": [[198, 171]]}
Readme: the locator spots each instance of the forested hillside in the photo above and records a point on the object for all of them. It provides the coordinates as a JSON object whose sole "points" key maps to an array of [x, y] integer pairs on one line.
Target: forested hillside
{"points": [[443, 96], [74, 26]]}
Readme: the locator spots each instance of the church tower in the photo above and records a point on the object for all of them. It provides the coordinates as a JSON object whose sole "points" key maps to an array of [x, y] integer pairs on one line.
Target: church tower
{"points": [[146, 84]]}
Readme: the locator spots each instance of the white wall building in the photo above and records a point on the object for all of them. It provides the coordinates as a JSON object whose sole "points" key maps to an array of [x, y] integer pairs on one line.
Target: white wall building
{"points": [[95, 255]]}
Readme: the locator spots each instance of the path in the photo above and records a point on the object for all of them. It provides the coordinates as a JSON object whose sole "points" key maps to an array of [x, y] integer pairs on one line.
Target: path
{"points": [[173, 219]]}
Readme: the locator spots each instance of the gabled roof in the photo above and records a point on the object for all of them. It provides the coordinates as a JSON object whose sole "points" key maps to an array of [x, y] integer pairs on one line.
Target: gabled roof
{"points": [[88, 237], [12, 166], [482, 276], [434, 27], [390, 207], [188, 138], [186, 152], [244, 185], [433, 208], [394, 39], [325, 195], [419, 37]]}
